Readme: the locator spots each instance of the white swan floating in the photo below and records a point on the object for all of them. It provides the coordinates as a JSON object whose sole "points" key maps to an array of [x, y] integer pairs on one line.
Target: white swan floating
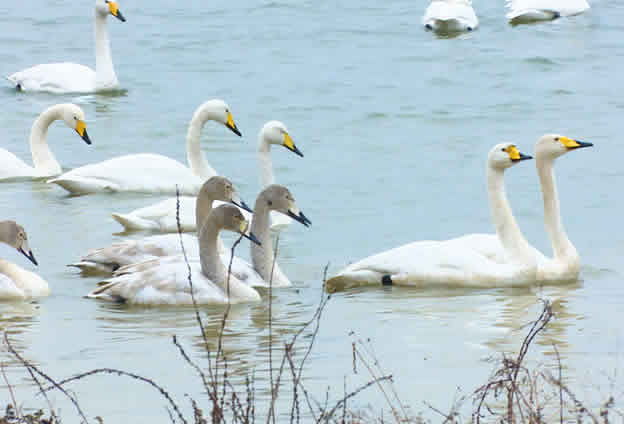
{"points": [[565, 265], [108, 259], [152, 173], [527, 11], [16, 282], [45, 164], [447, 16], [161, 216], [449, 263], [168, 283], [71, 77]]}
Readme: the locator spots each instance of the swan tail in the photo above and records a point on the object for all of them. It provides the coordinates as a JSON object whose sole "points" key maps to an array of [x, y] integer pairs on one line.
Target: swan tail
{"points": [[360, 278], [94, 268], [134, 223], [83, 185], [14, 82], [104, 292]]}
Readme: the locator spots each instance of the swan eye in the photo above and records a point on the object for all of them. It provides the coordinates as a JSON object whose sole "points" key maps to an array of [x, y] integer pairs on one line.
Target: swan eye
{"points": [[270, 203], [504, 150], [556, 138]]}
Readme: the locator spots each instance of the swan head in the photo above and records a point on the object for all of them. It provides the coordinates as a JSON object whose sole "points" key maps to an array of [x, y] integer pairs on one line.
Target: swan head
{"points": [[230, 218], [216, 110], [15, 236], [278, 198], [107, 7], [220, 188], [275, 132], [74, 118], [505, 155], [551, 146]]}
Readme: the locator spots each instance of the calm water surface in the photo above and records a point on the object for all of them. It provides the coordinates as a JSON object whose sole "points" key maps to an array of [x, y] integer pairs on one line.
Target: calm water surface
{"points": [[395, 125]]}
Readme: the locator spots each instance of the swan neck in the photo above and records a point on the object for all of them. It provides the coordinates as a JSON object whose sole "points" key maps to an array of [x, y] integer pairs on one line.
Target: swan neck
{"points": [[195, 157], [203, 209], [105, 77], [211, 263], [262, 256], [5, 232], [43, 159], [505, 224], [265, 163], [561, 245]]}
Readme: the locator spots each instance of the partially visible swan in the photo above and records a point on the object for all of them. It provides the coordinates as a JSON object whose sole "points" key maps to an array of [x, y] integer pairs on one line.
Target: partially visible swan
{"points": [[71, 77], [450, 16], [151, 173], [565, 265], [161, 216], [45, 164], [108, 259], [16, 282], [448, 263], [169, 284], [526, 11]]}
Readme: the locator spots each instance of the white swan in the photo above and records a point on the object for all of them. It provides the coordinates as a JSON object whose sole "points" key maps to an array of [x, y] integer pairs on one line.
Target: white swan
{"points": [[450, 16], [151, 173], [45, 164], [448, 263], [526, 11], [168, 283], [16, 282], [108, 259], [72, 77], [565, 264], [161, 216]]}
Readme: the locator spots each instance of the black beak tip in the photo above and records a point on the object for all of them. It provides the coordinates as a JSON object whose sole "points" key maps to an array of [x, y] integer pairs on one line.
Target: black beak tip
{"points": [[85, 137], [120, 16], [253, 238], [235, 130], [29, 255], [245, 206]]}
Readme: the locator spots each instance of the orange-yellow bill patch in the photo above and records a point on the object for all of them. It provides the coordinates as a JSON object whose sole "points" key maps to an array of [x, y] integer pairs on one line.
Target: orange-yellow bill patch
{"points": [[513, 152], [81, 127], [114, 9], [568, 142]]}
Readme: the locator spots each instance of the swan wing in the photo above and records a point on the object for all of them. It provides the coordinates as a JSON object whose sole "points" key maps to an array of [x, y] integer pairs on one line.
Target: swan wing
{"points": [[145, 172], [18, 283], [13, 167], [55, 78], [538, 10]]}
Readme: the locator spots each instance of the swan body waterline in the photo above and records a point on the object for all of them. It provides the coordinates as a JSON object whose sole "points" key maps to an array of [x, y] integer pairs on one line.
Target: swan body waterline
{"points": [[44, 162], [152, 173], [16, 282], [168, 283], [527, 11], [452, 263], [565, 264], [69, 77], [161, 216], [447, 16], [108, 259]]}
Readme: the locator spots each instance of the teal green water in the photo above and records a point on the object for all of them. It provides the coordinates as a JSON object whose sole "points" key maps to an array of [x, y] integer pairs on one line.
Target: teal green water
{"points": [[395, 125]]}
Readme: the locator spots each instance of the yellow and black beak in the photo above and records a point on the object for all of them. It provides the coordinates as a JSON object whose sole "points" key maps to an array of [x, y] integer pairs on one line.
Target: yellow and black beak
{"points": [[515, 155], [81, 129], [231, 125], [290, 144], [573, 144], [114, 10]]}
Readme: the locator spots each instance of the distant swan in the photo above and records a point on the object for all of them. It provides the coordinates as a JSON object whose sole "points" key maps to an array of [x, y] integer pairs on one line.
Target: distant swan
{"points": [[526, 11], [45, 164], [566, 263], [73, 78], [161, 216], [16, 282], [447, 263], [450, 16], [168, 283], [108, 259], [152, 173]]}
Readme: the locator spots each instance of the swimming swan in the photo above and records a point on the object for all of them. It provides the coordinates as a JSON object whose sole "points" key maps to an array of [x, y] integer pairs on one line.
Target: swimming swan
{"points": [[151, 173], [161, 216], [448, 263], [450, 16], [108, 259], [526, 11], [168, 283], [73, 78], [45, 164], [16, 282], [565, 265]]}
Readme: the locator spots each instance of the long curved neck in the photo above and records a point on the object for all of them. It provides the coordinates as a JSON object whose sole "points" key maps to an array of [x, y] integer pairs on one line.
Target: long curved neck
{"points": [[195, 157], [561, 245], [265, 163], [44, 161], [105, 77], [506, 226], [262, 256]]}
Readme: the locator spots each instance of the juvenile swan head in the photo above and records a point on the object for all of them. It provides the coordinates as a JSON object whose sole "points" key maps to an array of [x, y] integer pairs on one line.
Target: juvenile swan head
{"points": [[230, 218], [279, 198], [220, 188], [15, 236]]}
